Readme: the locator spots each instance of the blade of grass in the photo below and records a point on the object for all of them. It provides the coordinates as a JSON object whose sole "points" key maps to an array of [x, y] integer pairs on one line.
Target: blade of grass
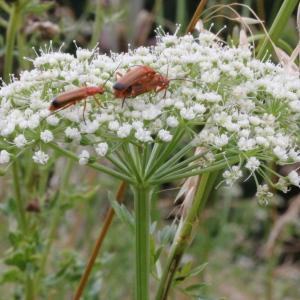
{"points": [[278, 26], [181, 13], [11, 33], [98, 22]]}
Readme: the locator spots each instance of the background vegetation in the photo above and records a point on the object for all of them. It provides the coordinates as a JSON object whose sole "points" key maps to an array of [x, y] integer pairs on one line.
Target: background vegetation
{"points": [[252, 252]]}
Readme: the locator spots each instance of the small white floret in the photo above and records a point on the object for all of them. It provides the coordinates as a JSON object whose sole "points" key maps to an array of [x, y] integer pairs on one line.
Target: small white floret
{"points": [[294, 178], [165, 135], [252, 164], [172, 121], [124, 131], [40, 157], [47, 136], [84, 157], [4, 157], [143, 135], [101, 149], [20, 141], [72, 133]]}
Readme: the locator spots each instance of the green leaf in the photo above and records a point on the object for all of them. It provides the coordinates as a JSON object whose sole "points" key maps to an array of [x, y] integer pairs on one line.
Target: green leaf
{"points": [[198, 270], [182, 274], [14, 238], [8, 207], [11, 275], [38, 8], [187, 272], [17, 259], [122, 212], [195, 290], [166, 235]]}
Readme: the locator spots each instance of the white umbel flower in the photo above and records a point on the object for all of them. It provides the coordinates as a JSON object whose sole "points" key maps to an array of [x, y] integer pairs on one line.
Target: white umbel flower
{"points": [[232, 175], [114, 125], [101, 149], [172, 121], [221, 140], [165, 135], [72, 133], [221, 95], [151, 113], [47, 136], [252, 164], [20, 141], [40, 157], [263, 195], [4, 157], [294, 178], [84, 157], [124, 131], [52, 120], [187, 114], [280, 153], [143, 135]]}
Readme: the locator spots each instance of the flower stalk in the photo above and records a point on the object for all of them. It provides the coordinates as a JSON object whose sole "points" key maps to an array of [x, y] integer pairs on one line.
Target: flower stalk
{"points": [[183, 235], [142, 205]]}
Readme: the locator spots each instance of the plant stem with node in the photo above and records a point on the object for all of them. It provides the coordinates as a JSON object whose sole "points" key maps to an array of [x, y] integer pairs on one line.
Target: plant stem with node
{"points": [[183, 235]]}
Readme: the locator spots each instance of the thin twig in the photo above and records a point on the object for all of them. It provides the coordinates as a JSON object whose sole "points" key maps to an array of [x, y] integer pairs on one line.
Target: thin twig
{"points": [[107, 222], [196, 16]]}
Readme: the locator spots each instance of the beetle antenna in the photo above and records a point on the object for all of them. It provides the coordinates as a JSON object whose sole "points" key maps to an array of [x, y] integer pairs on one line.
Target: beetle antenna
{"points": [[112, 74], [185, 79]]}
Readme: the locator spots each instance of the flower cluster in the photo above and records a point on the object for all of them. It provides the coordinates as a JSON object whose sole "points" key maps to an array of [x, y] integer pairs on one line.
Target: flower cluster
{"points": [[229, 102]]}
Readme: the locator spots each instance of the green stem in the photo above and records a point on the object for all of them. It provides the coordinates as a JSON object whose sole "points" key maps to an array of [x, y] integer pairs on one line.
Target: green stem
{"points": [[142, 203], [183, 235], [278, 26], [22, 52], [97, 24], [93, 165], [30, 293], [29, 286], [10, 40], [56, 219], [181, 175], [181, 13], [162, 157], [19, 201]]}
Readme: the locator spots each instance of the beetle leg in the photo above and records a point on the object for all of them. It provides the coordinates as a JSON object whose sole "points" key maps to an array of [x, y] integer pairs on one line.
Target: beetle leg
{"points": [[83, 111], [118, 74], [97, 101], [123, 101]]}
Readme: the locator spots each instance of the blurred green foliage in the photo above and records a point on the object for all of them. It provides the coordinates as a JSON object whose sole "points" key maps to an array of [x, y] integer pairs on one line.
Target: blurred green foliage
{"points": [[234, 230]]}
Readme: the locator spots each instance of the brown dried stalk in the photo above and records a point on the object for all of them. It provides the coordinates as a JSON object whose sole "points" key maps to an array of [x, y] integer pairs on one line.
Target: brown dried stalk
{"points": [[196, 16], [107, 222]]}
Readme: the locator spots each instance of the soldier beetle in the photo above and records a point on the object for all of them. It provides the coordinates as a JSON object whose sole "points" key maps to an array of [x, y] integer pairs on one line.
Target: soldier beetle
{"points": [[69, 98], [139, 80]]}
